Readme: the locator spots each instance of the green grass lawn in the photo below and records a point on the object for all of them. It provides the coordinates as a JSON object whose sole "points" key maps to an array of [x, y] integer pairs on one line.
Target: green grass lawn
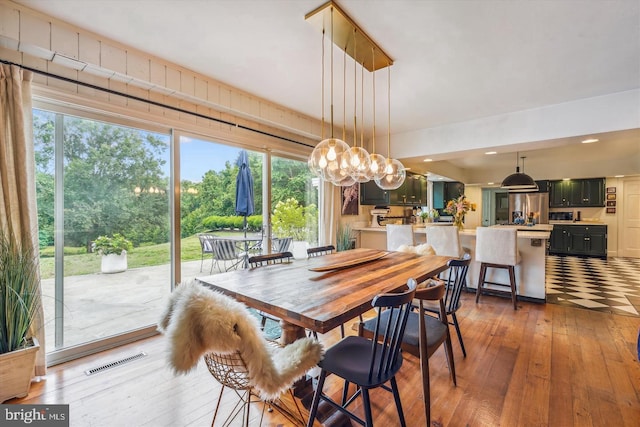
{"points": [[78, 262]]}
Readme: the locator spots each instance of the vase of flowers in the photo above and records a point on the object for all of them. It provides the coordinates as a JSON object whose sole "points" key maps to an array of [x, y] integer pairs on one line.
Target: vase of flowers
{"points": [[458, 208]]}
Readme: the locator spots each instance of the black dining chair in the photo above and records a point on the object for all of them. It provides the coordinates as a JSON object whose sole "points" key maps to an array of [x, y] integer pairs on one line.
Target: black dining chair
{"points": [[320, 251], [264, 260], [454, 282], [368, 363], [423, 335]]}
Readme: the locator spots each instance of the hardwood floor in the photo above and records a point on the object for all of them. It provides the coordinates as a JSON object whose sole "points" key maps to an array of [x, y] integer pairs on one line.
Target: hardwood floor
{"points": [[542, 365]]}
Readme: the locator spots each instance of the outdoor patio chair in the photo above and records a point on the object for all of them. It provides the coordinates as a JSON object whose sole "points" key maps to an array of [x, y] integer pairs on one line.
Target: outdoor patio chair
{"points": [[206, 248], [281, 244], [226, 250], [199, 322]]}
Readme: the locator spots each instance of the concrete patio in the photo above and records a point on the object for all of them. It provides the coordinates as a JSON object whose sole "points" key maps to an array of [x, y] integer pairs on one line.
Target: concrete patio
{"points": [[101, 305]]}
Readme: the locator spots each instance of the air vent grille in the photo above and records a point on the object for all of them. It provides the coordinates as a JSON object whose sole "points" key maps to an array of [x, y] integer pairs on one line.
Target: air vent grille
{"points": [[116, 363]]}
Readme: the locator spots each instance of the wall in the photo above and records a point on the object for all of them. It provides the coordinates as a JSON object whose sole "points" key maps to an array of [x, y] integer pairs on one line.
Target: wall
{"points": [[43, 43]]}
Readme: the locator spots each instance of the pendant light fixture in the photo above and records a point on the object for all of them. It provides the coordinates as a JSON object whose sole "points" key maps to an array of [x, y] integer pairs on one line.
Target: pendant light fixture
{"points": [[332, 159], [519, 182], [357, 162], [326, 156], [394, 170], [377, 161]]}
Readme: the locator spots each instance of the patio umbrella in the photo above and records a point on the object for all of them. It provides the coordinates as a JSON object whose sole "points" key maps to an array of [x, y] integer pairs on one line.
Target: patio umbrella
{"points": [[244, 189]]}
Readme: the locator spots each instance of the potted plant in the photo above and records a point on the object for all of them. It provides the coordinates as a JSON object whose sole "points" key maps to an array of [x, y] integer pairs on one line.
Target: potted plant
{"points": [[114, 252], [343, 238], [19, 304]]}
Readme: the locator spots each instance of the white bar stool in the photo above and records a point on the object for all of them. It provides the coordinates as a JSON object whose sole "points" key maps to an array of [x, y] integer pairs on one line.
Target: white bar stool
{"points": [[497, 248]]}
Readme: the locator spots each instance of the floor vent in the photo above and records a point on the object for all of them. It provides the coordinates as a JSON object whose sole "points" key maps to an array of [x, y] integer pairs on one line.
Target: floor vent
{"points": [[116, 363]]}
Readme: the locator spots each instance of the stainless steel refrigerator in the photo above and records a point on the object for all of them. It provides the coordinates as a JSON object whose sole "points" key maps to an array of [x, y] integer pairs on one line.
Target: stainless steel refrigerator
{"points": [[524, 206]]}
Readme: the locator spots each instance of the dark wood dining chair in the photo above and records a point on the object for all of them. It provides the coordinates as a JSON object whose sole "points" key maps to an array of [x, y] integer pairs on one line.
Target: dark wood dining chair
{"points": [[320, 251], [368, 363], [423, 335]]}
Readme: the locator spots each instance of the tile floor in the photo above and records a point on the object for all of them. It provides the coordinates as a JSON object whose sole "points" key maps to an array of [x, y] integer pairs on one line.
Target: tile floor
{"points": [[611, 285]]}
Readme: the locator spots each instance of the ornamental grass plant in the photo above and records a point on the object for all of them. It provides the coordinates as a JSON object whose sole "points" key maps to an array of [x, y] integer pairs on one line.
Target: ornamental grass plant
{"points": [[19, 291]]}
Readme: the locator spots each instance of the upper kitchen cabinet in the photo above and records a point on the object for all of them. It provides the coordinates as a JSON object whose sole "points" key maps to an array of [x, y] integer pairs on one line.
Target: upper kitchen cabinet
{"points": [[412, 192], [577, 193], [371, 194], [445, 191]]}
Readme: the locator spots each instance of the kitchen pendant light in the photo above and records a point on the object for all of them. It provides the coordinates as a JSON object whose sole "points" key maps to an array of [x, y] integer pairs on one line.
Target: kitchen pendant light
{"points": [[519, 182]]}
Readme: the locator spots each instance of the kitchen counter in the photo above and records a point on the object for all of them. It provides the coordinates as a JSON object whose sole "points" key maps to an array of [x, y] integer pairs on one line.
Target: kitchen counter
{"points": [[537, 227], [532, 244], [577, 223]]}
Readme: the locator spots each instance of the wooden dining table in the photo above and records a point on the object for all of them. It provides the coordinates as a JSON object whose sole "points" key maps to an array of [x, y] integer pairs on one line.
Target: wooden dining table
{"points": [[322, 293]]}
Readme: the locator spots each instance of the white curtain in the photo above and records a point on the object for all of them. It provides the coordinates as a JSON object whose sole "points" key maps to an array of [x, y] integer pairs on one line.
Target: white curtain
{"points": [[329, 217], [18, 210]]}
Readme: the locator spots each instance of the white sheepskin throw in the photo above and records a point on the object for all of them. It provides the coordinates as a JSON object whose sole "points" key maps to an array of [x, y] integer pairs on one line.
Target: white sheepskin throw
{"points": [[198, 320], [423, 249]]}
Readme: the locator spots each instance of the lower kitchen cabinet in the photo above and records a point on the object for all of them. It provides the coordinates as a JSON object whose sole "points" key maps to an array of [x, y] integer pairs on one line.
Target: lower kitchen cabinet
{"points": [[584, 240]]}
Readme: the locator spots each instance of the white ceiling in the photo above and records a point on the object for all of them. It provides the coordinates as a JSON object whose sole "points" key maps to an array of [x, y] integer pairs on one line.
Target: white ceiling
{"points": [[454, 60]]}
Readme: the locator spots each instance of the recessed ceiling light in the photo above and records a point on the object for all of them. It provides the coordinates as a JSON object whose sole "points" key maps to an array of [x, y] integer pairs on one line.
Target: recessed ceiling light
{"points": [[589, 141], [490, 183], [491, 152], [619, 176], [566, 179], [428, 160], [440, 178]]}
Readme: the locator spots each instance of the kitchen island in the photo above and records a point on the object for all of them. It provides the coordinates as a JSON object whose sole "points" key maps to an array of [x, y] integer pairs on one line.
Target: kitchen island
{"points": [[530, 273]]}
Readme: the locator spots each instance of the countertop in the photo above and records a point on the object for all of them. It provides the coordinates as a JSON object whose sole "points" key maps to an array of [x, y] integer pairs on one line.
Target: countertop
{"points": [[576, 223], [524, 233]]}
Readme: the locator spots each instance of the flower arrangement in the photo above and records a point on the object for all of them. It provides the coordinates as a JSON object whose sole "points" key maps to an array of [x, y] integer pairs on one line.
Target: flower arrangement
{"points": [[458, 208]]}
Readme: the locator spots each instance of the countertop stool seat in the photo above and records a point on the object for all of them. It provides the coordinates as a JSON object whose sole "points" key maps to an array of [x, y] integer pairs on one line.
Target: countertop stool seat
{"points": [[497, 248], [398, 235], [445, 240]]}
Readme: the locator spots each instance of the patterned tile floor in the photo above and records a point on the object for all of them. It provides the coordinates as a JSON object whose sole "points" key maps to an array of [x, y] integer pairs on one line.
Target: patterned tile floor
{"points": [[611, 285]]}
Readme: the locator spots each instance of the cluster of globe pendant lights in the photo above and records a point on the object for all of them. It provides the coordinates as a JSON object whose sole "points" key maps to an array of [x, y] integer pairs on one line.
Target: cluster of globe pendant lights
{"points": [[334, 161]]}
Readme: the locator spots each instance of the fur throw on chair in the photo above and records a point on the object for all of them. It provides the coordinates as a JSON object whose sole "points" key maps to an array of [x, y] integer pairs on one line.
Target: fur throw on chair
{"points": [[198, 320]]}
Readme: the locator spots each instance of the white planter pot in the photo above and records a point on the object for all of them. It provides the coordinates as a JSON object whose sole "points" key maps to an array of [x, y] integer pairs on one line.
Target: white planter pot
{"points": [[114, 263], [299, 249], [16, 369]]}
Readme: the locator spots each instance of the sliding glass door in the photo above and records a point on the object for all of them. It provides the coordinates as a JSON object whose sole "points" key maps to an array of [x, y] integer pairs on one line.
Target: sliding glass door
{"points": [[104, 226]]}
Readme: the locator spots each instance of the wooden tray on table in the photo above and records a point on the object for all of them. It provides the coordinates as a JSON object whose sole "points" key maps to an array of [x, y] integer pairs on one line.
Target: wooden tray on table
{"points": [[348, 259]]}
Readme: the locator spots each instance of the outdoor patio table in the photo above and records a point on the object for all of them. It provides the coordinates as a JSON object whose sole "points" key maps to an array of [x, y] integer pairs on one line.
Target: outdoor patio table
{"points": [[304, 298]]}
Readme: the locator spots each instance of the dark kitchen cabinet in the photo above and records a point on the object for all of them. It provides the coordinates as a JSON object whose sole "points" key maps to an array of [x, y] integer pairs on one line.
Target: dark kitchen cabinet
{"points": [[412, 192], [577, 193], [585, 240], [371, 194]]}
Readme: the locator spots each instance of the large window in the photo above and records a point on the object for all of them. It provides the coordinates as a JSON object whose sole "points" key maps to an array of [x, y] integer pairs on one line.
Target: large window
{"points": [[105, 184], [99, 182]]}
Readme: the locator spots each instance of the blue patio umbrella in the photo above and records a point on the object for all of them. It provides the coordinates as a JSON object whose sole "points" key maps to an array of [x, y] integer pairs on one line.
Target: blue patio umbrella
{"points": [[244, 189]]}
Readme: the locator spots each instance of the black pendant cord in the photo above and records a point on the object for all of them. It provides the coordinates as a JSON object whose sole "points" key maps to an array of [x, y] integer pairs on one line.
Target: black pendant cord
{"points": [[155, 103]]}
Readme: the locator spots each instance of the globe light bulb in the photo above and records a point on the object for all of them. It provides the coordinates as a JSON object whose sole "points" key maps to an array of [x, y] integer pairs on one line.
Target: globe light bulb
{"points": [[322, 162], [331, 155]]}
